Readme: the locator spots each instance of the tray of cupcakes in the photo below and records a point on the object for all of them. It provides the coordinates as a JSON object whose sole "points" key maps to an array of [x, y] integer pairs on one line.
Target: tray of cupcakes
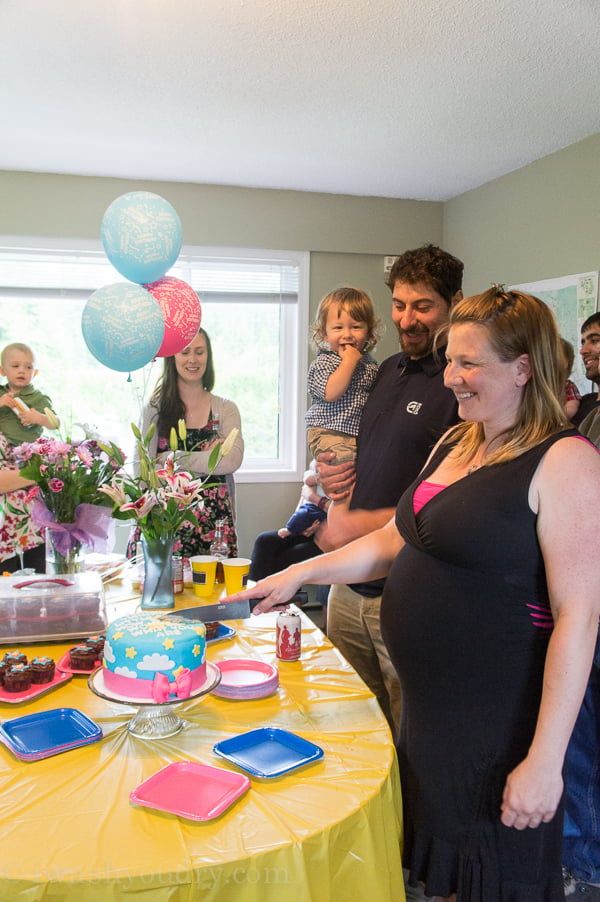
{"points": [[83, 657], [23, 678]]}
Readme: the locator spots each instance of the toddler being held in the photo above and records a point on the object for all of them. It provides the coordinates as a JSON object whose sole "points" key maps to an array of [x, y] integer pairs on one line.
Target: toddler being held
{"points": [[339, 381]]}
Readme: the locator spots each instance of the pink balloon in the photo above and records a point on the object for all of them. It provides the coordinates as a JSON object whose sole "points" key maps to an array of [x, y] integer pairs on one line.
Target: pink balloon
{"points": [[182, 312]]}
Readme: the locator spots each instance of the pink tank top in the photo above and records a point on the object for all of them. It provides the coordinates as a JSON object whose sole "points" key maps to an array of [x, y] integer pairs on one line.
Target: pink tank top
{"points": [[424, 492]]}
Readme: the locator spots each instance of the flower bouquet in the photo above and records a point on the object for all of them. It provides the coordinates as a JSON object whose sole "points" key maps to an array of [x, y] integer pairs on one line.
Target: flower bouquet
{"points": [[67, 498], [160, 499]]}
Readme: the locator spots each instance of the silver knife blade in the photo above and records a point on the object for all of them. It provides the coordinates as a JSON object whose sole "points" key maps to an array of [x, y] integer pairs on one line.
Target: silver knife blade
{"points": [[225, 610]]}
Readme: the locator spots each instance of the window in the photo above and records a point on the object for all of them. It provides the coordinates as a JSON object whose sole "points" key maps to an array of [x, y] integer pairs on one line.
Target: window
{"points": [[254, 307]]}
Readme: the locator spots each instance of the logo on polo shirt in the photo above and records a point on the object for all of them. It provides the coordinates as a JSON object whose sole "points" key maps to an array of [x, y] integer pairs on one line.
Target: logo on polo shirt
{"points": [[413, 407]]}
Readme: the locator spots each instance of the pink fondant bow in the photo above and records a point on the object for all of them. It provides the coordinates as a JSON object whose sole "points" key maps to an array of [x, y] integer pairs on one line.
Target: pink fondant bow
{"points": [[162, 689]]}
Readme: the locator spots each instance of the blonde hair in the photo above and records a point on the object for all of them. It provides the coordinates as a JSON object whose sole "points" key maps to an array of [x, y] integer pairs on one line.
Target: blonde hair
{"points": [[358, 304], [516, 324], [16, 346], [569, 356]]}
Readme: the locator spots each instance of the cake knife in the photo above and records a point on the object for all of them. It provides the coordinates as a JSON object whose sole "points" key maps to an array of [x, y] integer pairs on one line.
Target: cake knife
{"points": [[225, 610], [228, 610]]}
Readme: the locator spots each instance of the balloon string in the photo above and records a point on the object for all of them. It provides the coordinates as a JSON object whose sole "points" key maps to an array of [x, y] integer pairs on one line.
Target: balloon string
{"points": [[129, 378]]}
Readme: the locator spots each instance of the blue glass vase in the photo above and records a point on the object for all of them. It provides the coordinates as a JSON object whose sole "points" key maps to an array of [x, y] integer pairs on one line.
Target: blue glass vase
{"points": [[158, 576]]}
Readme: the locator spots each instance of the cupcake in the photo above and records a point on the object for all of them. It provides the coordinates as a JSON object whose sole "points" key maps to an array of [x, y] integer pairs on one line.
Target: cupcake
{"points": [[82, 657], [4, 666], [15, 657], [28, 616], [212, 628], [42, 669], [17, 678], [97, 643]]}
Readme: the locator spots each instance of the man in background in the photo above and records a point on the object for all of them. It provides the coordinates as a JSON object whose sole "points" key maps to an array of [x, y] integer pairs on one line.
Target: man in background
{"points": [[590, 352], [581, 837]]}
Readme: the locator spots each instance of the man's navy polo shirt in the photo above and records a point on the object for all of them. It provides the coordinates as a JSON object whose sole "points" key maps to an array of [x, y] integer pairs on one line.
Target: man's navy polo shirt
{"points": [[408, 409]]}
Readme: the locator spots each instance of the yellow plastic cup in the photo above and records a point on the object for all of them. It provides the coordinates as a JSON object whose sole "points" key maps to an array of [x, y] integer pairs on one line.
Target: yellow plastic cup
{"points": [[235, 570], [204, 568]]}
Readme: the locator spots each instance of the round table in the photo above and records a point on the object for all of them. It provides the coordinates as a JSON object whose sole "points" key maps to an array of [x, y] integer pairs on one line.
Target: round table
{"points": [[327, 831]]}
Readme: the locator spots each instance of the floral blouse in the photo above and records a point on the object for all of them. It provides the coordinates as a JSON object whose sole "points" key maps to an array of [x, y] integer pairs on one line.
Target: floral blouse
{"points": [[17, 532]]}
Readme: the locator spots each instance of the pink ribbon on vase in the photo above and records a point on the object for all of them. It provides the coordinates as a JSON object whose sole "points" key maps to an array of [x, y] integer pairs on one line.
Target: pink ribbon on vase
{"points": [[162, 688], [92, 524]]}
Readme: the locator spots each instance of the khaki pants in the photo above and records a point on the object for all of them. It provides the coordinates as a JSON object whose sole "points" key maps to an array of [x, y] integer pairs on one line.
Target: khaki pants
{"points": [[342, 445], [353, 627]]}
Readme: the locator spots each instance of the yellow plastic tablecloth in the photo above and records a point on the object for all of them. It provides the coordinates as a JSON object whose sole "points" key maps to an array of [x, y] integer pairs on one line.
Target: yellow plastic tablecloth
{"points": [[327, 832]]}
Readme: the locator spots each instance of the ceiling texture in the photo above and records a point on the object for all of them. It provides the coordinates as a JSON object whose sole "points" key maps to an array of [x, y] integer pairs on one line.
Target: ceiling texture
{"points": [[413, 99]]}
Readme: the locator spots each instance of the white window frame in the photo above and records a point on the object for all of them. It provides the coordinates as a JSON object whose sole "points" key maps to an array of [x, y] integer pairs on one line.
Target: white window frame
{"points": [[289, 465]]}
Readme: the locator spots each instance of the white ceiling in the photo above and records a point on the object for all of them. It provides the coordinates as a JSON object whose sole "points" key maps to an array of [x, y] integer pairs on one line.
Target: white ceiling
{"points": [[416, 99]]}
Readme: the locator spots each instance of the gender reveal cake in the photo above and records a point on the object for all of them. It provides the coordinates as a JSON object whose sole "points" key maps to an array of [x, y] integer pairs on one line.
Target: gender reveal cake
{"points": [[149, 657]]}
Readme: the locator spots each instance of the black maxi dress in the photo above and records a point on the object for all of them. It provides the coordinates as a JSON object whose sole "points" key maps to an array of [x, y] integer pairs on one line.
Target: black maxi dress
{"points": [[466, 619]]}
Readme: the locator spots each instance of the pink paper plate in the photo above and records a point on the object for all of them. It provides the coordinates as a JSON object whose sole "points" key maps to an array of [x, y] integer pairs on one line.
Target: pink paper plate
{"points": [[14, 698], [245, 678], [191, 790]]}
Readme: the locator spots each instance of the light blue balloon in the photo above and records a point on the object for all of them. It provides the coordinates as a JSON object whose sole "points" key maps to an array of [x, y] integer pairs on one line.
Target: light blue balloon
{"points": [[141, 235], [123, 326]]}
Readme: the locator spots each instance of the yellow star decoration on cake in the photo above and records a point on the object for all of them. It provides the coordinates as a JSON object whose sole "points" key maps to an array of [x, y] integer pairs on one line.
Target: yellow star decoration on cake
{"points": [[118, 635], [156, 625], [169, 643], [197, 650], [199, 629], [130, 652], [178, 670]]}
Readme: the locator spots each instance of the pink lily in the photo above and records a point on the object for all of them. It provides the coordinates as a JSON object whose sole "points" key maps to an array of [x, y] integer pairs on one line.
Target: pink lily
{"points": [[142, 506], [115, 492]]}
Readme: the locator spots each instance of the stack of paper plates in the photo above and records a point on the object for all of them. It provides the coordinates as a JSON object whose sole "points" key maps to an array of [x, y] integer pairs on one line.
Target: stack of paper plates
{"points": [[244, 678], [48, 733]]}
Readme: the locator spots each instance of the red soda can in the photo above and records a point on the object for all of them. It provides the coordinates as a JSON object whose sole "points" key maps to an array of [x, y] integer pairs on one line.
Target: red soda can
{"points": [[288, 640], [177, 574]]}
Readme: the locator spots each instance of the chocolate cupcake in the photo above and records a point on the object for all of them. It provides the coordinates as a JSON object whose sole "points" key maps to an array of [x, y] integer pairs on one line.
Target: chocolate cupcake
{"points": [[97, 643], [17, 678], [82, 657], [42, 669], [212, 628], [28, 616], [4, 666], [15, 657]]}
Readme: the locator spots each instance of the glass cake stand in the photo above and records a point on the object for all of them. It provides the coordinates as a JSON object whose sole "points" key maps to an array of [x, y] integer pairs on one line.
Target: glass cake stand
{"points": [[154, 720]]}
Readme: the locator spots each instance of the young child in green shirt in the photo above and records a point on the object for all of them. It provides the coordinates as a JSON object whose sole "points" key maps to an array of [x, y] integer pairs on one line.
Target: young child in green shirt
{"points": [[22, 406]]}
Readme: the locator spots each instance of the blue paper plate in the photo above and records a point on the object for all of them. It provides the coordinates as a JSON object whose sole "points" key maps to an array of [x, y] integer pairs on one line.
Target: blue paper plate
{"points": [[224, 632], [268, 752], [49, 732]]}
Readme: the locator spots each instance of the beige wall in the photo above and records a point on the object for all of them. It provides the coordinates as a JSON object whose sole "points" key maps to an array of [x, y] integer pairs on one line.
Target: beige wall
{"points": [[72, 207], [539, 222], [347, 238]]}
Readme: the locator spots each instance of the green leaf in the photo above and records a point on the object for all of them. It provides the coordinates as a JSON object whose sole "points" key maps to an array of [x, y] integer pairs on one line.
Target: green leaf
{"points": [[213, 460]]}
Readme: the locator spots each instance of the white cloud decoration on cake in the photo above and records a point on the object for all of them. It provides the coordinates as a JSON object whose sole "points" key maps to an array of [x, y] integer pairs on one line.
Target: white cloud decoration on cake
{"points": [[126, 672], [156, 662]]}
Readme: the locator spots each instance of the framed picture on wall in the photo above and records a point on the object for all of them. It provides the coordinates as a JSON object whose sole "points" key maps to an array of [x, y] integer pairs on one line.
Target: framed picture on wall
{"points": [[572, 299]]}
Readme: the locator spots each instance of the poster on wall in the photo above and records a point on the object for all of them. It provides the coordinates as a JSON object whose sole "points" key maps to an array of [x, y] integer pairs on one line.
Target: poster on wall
{"points": [[572, 299]]}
